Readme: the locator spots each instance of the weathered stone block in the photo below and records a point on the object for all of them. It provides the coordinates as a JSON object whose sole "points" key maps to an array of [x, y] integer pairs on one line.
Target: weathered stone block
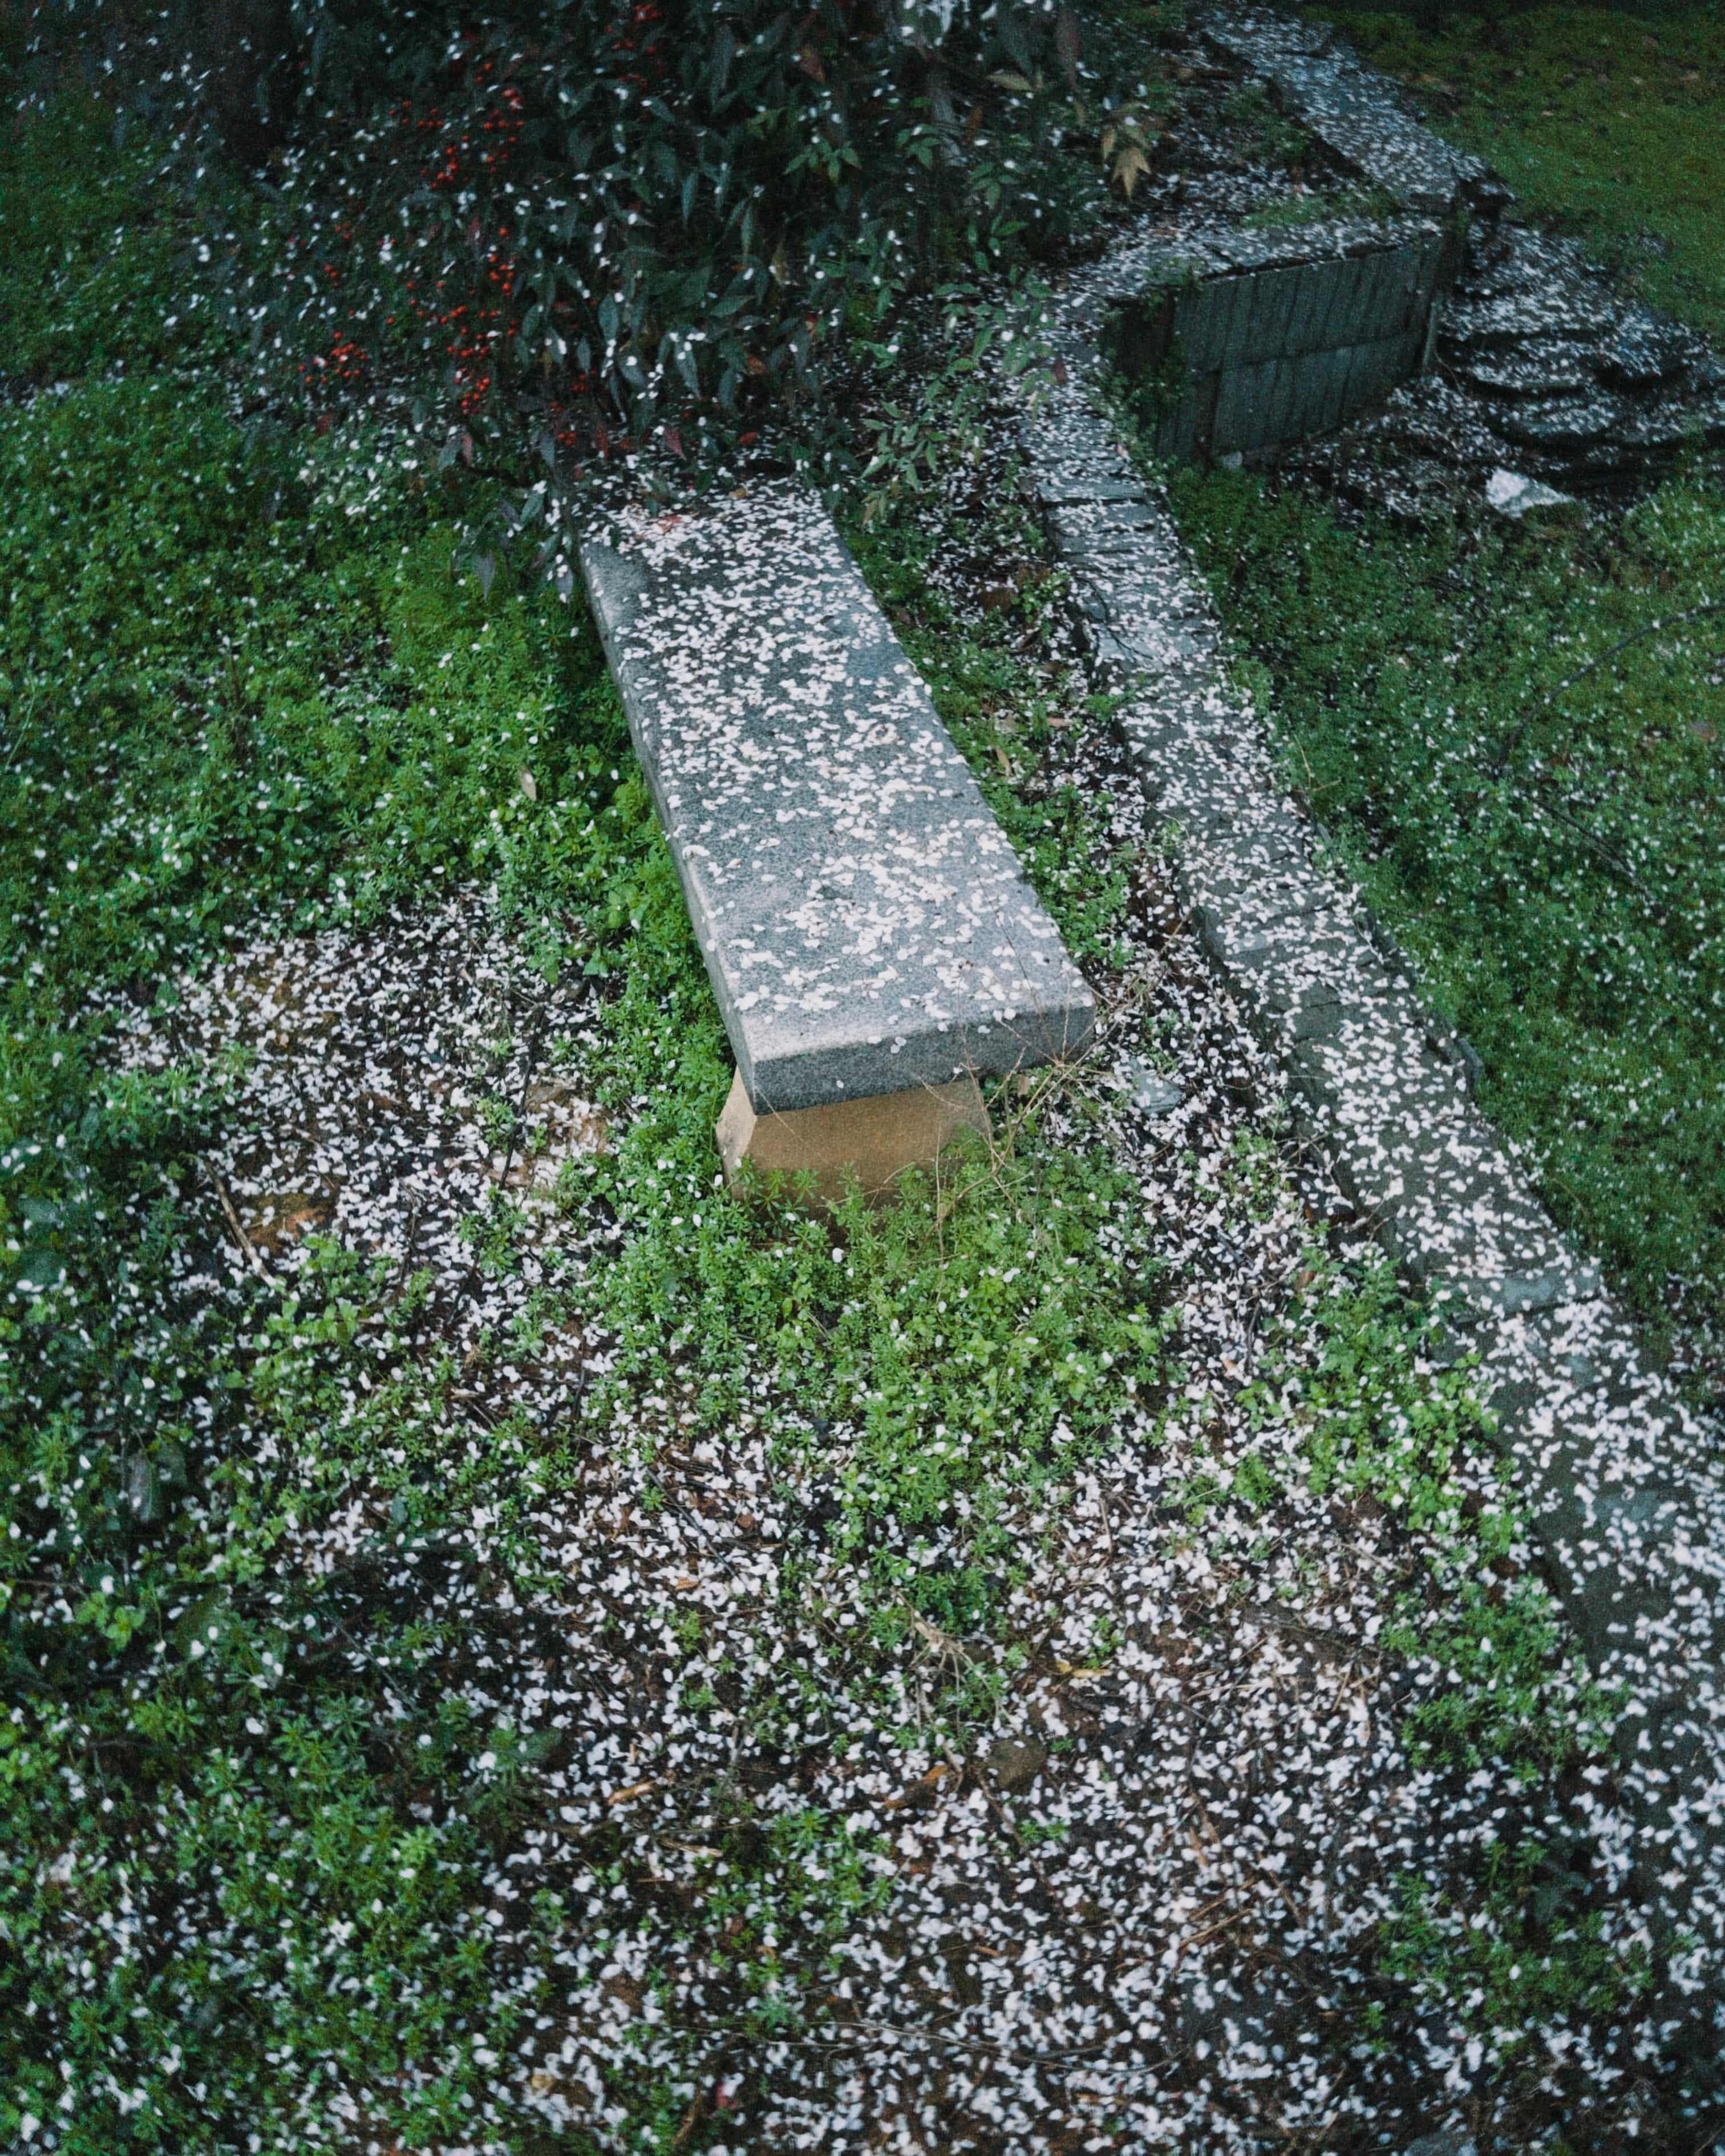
{"points": [[1272, 354], [864, 922], [871, 1141]]}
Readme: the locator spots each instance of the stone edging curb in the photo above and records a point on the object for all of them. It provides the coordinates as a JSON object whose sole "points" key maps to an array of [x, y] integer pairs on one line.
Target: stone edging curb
{"points": [[1629, 1522]]}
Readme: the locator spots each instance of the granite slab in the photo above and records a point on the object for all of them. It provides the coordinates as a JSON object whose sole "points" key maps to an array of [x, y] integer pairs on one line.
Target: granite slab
{"points": [[863, 920], [1354, 111]]}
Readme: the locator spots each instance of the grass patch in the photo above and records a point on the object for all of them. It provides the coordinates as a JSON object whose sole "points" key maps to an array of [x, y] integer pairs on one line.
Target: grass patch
{"points": [[1550, 853], [95, 240], [1607, 127]]}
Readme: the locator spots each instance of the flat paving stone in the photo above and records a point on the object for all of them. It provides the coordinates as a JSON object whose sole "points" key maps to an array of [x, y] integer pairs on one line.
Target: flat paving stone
{"points": [[863, 917]]}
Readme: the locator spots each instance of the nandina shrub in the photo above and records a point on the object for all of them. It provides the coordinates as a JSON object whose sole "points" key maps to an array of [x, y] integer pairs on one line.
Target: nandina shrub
{"points": [[644, 214], [619, 219]]}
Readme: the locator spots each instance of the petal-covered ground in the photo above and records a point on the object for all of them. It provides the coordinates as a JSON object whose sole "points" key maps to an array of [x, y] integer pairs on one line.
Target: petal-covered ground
{"points": [[1172, 1849]]}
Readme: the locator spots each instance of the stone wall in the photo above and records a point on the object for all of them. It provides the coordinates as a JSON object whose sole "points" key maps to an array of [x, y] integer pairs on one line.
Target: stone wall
{"points": [[1251, 357], [1624, 1502]]}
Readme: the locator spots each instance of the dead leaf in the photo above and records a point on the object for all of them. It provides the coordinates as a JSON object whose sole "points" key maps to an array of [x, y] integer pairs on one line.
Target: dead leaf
{"points": [[919, 1792], [529, 786], [1013, 1764], [1129, 167], [942, 1643], [279, 1220]]}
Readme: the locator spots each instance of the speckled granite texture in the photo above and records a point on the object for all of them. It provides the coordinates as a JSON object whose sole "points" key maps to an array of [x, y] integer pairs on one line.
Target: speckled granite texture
{"points": [[1627, 1509], [862, 917]]}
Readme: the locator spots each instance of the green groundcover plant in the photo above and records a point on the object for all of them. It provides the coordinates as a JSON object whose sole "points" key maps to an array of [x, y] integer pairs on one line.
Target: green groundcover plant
{"points": [[246, 1808], [1534, 812], [245, 685]]}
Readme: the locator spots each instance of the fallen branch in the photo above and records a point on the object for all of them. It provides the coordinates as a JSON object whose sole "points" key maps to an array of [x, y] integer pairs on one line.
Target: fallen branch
{"points": [[245, 1242], [1581, 673]]}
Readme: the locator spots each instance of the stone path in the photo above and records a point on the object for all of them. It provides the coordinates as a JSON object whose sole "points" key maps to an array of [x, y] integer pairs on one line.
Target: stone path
{"points": [[1544, 369], [863, 918], [1630, 1518], [1353, 112]]}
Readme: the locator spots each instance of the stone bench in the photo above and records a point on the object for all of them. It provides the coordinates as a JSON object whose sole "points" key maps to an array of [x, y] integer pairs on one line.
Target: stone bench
{"points": [[870, 938]]}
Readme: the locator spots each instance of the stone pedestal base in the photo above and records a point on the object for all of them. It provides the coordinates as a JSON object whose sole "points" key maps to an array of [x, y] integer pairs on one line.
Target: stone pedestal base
{"points": [[872, 1140]]}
